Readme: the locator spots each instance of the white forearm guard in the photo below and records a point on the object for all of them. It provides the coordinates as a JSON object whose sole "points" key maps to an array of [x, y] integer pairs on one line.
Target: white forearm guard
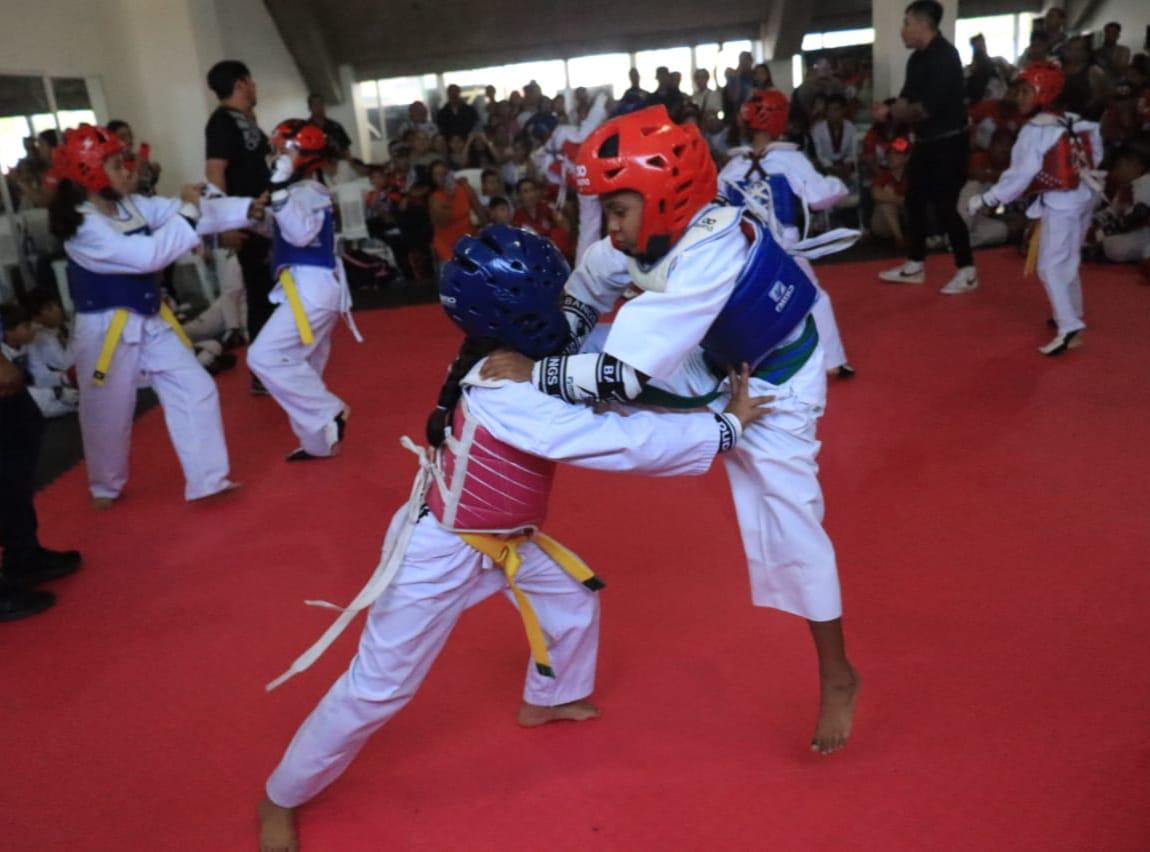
{"points": [[590, 377], [581, 317]]}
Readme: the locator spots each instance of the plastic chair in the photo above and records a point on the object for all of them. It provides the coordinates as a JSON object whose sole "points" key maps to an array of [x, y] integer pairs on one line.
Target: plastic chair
{"points": [[352, 212], [60, 270]]}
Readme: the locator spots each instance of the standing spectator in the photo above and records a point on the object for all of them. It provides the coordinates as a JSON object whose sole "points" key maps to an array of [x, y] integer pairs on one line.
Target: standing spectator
{"points": [[986, 77], [337, 136], [1038, 49], [456, 118], [1112, 57], [451, 204], [237, 165], [820, 83], [932, 100], [704, 97], [147, 169], [761, 77], [1085, 90], [1054, 22], [636, 92], [418, 118], [26, 563], [836, 141], [740, 82]]}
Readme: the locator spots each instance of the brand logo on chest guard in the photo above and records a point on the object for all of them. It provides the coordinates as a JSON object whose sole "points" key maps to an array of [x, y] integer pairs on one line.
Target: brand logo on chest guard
{"points": [[780, 294], [707, 223]]}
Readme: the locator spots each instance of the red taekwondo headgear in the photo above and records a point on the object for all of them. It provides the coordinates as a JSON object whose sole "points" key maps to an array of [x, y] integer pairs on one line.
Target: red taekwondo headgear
{"points": [[667, 163], [81, 156], [1047, 80], [766, 111], [307, 143]]}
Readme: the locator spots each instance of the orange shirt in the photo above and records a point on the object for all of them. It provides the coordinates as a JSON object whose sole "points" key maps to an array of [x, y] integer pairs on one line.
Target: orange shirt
{"points": [[448, 234]]}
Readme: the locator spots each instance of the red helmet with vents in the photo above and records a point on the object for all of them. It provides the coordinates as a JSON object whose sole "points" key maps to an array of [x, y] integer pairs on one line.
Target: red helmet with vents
{"points": [[307, 143], [81, 156], [766, 110], [1047, 80], [668, 164]]}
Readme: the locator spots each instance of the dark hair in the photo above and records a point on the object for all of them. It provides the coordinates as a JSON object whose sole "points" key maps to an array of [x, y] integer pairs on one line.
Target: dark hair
{"points": [[931, 10], [63, 217], [401, 150], [39, 299], [471, 352], [314, 96], [223, 76], [1114, 24], [519, 183], [1039, 35], [12, 315], [836, 98], [49, 137], [486, 173], [497, 201], [115, 124], [372, 171]]}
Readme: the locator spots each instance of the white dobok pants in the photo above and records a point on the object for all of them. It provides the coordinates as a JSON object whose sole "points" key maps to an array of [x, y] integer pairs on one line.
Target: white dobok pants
{"points": [[834, 353], [1059, 256], [148, 349], [407, 627], [293, 372]]}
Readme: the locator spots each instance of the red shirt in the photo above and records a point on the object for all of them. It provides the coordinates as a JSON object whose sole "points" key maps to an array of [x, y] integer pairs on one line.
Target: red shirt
{"points": [[545, 225]]}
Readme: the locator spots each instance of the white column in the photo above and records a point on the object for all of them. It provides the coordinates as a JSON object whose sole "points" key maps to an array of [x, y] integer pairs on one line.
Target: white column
{"points": [[889, 53]]}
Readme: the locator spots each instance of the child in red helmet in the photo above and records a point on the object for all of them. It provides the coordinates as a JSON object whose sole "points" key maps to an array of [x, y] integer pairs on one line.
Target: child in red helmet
{"points": [[117, 243], [717, 291], [1053, 161], [792, 180], [291, 350]]}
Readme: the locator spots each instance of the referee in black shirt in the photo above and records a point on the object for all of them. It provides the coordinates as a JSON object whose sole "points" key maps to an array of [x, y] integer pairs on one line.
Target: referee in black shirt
{"points": [[932, 102]]}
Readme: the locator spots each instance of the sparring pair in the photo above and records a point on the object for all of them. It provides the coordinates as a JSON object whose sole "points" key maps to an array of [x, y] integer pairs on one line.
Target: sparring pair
{"points": [[1053, 161], [117, 243], [790, 180], [291, 350], [472, 525], [718, 290]]}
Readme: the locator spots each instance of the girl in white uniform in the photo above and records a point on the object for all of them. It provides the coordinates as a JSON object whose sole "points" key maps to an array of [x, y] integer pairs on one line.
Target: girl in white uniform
{"points": [[291, 351], [1053, 159], [711, 275], [785, 169], [117, 243], [492, 473]]}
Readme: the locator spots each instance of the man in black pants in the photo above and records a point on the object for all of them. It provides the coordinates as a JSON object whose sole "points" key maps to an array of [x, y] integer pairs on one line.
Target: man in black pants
{"points": [[932, 103], [237, 154], [25, 563]]}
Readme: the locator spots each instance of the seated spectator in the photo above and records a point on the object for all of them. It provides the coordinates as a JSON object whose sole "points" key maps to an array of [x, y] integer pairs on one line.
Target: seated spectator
{"points": [[50, 358], [490, 187], [836, 141], [499, 211], [718, 135], [377, 202], [1120, 122], [450, 206], [875, 142], [53, 400], [456, 118], [990, 115], [147, 169], [457, 153], [889, 193], [990, 228], [1084, 92], [532, 212], [1128, 240], [520, 165], [418, 118], [480, 153], [422, 154], [1110, 56]]}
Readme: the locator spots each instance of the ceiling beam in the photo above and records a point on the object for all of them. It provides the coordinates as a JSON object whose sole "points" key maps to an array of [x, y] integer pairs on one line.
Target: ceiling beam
{"points": [[300, 30]]}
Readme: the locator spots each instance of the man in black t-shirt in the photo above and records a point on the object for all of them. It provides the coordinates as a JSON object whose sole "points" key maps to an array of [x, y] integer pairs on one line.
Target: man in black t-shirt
{"points": [[237, 163], [932, 101]]}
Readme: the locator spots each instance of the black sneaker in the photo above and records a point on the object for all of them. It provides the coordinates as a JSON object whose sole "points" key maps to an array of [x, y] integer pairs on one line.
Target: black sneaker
{"points": [[41, 566], [18, 603], [258, 388], [223, 362], [233, 339], [846, 371]]}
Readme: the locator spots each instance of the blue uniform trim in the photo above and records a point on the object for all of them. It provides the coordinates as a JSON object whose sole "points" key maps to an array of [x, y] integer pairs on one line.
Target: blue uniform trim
{"points": [[771, 296], [784, 202], [319, 252]]}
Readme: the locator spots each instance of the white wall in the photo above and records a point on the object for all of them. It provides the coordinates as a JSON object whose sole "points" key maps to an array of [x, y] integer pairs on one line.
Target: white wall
{"points": [[1133, 15], [151, 58]]}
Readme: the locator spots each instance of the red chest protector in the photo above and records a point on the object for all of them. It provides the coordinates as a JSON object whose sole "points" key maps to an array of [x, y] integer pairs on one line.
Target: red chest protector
{"points": [[1064, 162]]}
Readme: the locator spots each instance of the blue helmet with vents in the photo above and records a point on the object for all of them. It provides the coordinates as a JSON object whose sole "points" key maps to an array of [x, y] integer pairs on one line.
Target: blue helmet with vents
{"points": [[507, 285]]}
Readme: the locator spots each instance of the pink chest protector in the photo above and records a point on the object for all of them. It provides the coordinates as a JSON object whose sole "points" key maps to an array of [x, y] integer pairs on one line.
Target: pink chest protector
{"points": [[487, 485], [1063, 164]]}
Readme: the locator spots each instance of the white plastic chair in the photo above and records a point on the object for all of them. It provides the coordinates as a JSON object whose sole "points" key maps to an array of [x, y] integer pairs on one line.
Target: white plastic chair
{"points": [[60, 270], [352, 212]]}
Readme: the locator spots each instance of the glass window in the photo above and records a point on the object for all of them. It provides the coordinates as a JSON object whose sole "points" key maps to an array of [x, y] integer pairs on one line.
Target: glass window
{"points": [[14, 130], [604, 69], [675, 58], [998, 31], [400, 91], [551, 75], [837, 38]]}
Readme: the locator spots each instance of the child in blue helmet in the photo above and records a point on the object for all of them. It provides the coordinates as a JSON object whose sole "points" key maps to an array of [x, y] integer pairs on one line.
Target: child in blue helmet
{"points": [[478, 504]]}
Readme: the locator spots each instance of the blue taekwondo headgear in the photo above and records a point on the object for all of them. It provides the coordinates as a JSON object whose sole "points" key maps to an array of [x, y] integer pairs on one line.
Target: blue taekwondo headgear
{"points": [[506, 284]]}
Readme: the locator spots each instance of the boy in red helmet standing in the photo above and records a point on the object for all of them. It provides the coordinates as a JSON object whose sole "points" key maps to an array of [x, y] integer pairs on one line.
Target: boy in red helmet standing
{"points": [[1053, 160], [291, 350], [791, 180], [117, 243], [718, 291]]}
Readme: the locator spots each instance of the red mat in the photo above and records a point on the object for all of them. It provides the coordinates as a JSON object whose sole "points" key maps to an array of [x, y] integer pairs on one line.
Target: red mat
{"points": [[989, 509]]}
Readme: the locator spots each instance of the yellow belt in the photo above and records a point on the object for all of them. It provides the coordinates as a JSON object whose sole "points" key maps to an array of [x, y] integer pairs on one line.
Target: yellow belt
{"points": [[1032, 250], [116, 330], [504, 552], [291, 292]]}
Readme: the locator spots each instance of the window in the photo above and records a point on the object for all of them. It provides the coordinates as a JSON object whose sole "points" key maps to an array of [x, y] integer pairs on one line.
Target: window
{"points": [[26, 110], [717, 58], [837, 38], [604, 69], [675, 58], [1006, 35]]}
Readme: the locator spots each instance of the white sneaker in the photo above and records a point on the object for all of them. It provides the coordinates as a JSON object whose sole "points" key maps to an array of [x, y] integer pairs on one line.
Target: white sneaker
{"points": [[964, 281], [911, 272], [1062, 342]]}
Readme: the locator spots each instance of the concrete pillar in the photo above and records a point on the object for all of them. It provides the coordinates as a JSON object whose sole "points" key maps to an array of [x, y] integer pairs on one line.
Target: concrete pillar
{"points": [[889, 53]]}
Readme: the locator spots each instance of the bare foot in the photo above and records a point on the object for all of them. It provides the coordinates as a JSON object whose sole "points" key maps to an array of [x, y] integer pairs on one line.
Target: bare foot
{"points": [[836, 711], [277, 828], [102, 504], [532, 715]]}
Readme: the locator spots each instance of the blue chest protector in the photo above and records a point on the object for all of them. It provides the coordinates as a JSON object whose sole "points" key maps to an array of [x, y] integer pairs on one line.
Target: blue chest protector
{"points": [[319, 252], [771, 297], [100, 291]]}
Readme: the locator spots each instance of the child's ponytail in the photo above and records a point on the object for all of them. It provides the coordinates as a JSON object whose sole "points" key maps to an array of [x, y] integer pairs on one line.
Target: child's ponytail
{"points": [[471, 352]]}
